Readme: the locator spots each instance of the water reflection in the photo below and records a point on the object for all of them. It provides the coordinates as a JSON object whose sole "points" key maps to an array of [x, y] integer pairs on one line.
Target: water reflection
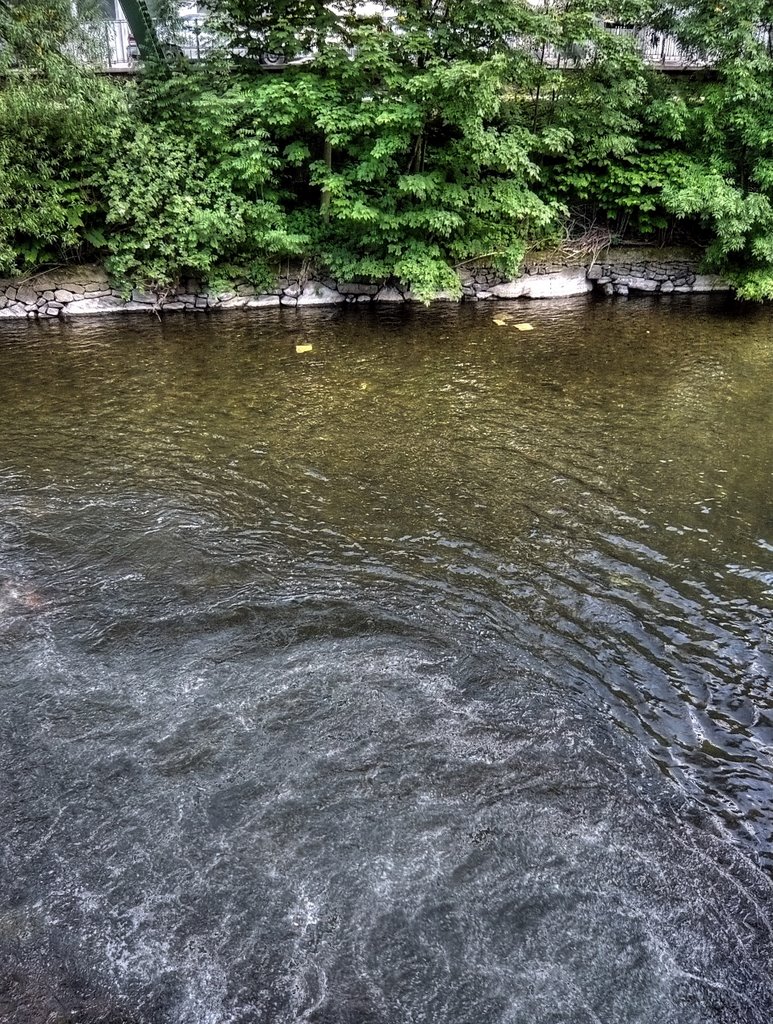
{"points": [[425, 676]]}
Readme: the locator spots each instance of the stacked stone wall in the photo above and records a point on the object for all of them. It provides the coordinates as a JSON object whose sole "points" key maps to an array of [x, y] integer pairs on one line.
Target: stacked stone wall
{"points": [[620, 277], [77, 291]]}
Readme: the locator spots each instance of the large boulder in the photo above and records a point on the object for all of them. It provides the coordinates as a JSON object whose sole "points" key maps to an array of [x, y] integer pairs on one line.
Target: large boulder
{"points": [[635, 282], [570, 281], [709, 283], [389, 295], [87, 307], [357, 289], [316, 294]]}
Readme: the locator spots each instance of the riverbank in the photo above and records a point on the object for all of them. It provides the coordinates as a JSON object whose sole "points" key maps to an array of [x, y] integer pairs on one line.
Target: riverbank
{"points": [[87, 290]]}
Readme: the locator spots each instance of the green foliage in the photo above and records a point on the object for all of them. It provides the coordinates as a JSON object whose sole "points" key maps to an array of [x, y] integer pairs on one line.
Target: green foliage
{"points": [[54, 127], [39, 37], [426, 164], [191, 193], [603, 138], [725, 182], [399, 146]]}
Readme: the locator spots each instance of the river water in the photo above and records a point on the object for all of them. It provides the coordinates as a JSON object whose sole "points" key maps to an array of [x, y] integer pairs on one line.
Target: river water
{"points": [[421, 677]]}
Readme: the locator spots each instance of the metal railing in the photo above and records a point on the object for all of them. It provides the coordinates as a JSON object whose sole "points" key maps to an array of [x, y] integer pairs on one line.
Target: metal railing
{"points": [[116, 43], [193, 40], [117, 50], [658, 49], [661, 49]]}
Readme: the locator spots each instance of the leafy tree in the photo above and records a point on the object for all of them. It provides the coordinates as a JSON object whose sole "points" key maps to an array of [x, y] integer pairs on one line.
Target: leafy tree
{"points": [[392, 146], [725, 184], [57, 123], [286, 28], [194, 189], [405, 130]]}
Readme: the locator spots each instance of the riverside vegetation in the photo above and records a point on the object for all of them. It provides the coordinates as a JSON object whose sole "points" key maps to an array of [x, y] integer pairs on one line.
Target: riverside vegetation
{"points": [[404, 148]]}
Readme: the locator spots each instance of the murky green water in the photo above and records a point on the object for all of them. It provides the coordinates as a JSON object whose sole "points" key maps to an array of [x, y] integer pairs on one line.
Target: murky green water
{"points": [[425, 677]]}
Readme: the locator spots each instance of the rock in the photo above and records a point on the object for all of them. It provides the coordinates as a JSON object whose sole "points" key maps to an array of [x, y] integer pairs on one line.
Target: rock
{"points": [[358, 289], [389, 295], [87, 289], [437, 297], [708, 283], [89, 306], [635, 283], [621, 290], [315, 294], [570, 281]]}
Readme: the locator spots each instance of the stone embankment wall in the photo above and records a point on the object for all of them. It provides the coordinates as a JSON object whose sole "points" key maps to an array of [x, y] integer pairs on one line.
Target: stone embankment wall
{"points": [[74, 291]]}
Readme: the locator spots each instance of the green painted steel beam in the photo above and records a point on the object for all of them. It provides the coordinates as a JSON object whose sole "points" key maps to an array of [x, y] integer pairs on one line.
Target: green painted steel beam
{"points": [[142, 28]]}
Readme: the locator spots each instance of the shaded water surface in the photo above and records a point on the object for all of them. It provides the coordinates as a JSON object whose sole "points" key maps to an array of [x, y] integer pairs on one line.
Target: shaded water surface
{"points": [[425, 677]]}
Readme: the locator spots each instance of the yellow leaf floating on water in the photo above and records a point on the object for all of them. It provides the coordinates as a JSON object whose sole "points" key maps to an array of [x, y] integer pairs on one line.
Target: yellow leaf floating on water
{"points": [[524, 327], [500, 323], [300, 349]]}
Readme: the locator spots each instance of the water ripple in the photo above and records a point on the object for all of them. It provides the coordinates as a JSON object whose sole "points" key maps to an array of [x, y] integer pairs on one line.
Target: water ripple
{"points": [[426, 678]]}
